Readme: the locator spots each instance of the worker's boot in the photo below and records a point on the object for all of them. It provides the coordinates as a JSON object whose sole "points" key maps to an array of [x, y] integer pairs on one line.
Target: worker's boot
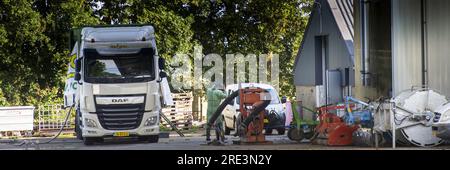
{"points": [[208, 133], [218, 132], [221, 132]]}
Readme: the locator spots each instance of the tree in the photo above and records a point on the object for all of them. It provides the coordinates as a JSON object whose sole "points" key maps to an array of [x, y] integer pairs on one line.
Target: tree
{"points": [[34, 35], [24, 49], [250, 26], [33, 52], [114, 11]]}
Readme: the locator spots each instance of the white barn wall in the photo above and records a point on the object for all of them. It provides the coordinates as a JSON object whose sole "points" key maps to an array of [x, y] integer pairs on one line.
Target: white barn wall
{"points": [[406, 45], [438, 38]]}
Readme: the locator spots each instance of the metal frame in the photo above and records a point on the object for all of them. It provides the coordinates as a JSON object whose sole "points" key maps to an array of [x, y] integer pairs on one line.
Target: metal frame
{"points": [[51, 117]]}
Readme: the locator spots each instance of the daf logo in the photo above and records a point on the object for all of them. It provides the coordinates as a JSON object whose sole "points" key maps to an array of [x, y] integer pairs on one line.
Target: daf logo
{"points": [[119, 100]]}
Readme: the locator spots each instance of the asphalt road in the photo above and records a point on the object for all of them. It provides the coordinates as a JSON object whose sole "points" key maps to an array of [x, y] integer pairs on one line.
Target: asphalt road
{"points": [[192, 142]]}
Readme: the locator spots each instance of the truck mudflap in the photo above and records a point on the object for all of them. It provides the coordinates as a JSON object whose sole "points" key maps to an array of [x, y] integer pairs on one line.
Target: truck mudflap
{"points": [[165, 91]]}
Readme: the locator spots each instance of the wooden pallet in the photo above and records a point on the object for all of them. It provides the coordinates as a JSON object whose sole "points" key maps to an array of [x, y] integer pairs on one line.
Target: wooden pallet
{"points": [[180, 113], [182, 96], [170, 110], [168, 114]]}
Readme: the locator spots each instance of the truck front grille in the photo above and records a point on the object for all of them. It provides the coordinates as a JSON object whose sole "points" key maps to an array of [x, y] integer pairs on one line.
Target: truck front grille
{"points": [[120, 116]]}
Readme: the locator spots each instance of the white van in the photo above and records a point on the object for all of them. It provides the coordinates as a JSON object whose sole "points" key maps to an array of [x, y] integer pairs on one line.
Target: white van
{"points": [[275, 115], [441, 122]]}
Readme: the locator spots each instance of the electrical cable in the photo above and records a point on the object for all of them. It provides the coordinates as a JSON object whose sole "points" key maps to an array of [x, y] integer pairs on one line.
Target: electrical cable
{"points": [[62, 127]]}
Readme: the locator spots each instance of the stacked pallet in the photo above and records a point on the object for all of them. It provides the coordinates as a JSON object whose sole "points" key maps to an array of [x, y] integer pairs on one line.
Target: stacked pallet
{"points": [[180, 114]]}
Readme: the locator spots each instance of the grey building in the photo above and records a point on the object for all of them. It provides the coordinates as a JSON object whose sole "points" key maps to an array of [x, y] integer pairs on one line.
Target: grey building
{"points": [[324, 64], [401, 44]]}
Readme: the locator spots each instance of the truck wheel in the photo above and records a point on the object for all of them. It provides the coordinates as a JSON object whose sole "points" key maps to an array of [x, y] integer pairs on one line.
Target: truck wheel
{"points": [[91, 140], [78, 132], [281, 131], [153, 139], [150, 139], [143, 138]]}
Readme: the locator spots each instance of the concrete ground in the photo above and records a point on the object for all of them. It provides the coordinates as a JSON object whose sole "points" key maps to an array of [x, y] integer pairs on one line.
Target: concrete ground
{"points": [[194, 141]]}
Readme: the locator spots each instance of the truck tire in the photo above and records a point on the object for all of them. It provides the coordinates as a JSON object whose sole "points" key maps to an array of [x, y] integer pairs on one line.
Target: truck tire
{"points": [[150, 139], [269, 131], [91, 140], [153, 139], [78, 132], [143, 138], [281, 131]]}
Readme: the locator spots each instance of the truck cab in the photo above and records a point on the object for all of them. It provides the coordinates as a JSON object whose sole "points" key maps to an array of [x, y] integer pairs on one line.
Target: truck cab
{"points": [[117, 87]]}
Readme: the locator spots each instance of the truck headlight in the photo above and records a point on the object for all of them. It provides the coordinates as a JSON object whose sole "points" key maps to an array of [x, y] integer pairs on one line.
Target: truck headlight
{"points": [[151, 121], [90, 123]]}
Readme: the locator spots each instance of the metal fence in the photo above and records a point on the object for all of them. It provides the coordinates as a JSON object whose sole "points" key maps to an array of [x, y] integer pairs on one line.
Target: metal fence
{"points": [[51, 117]]}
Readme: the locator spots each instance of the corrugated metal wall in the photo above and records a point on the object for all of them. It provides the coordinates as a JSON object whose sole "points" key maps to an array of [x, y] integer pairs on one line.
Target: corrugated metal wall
{"points": [[438, 38], [406, 45], [406, 42]]}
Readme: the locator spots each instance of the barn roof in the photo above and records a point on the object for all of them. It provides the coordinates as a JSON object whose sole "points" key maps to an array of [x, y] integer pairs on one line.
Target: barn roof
{"points": [[342, 11]]}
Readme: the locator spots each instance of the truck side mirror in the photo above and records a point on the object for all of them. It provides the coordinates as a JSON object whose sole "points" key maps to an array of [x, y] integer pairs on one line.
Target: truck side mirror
{"points": [[77, 76], [78, 65], [283, 99], [161, 63], [162, 74]]}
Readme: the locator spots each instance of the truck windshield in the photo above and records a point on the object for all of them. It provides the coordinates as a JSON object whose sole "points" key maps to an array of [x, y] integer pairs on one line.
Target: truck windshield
{"points": [[119, 68]]}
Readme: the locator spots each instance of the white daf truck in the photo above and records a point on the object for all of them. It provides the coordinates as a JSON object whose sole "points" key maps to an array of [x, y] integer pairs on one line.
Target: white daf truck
{"points": [[116, 83]]}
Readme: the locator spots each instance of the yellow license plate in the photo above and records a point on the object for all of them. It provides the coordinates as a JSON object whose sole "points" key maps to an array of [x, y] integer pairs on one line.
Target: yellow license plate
{"points": [[434, 132], [266, 120], [121, 134]]}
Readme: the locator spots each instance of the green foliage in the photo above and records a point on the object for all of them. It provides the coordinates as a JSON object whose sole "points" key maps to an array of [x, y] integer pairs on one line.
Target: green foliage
{"points": [[173, 32], [33, 51], [250, 26], [34, 36]]}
